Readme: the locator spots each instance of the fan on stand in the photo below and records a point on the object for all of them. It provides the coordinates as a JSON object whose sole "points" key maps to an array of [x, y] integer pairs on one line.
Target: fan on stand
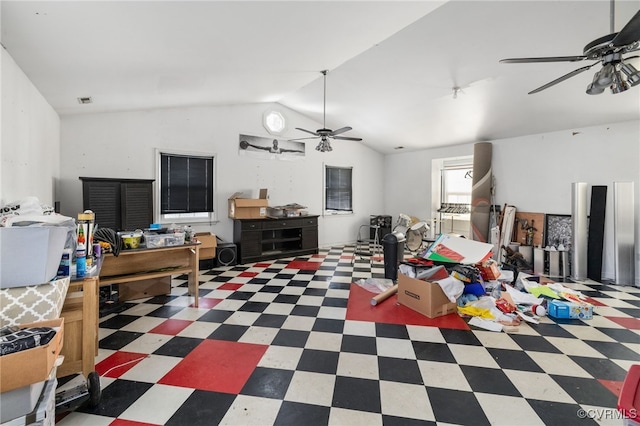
{"points": [[615, 73], [325, 134]]}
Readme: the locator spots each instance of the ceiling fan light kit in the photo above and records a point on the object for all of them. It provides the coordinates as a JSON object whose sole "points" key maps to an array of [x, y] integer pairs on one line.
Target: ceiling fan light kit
{"points": [[325, 134], [615, 73], [633, 75]]}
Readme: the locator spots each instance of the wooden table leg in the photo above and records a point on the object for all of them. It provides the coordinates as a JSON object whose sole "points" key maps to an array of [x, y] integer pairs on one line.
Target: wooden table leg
{"points": [[194, 283]]}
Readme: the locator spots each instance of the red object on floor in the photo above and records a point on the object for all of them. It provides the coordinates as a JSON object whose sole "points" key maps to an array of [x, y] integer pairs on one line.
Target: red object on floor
{"points": [[216, 365], [359, 308], [171, 327], [629, 399], [248, 274], [116, 364]]}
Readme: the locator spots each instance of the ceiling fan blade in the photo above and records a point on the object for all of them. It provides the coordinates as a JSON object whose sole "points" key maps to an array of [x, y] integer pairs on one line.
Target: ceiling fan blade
{"points": [[630, 33], [308, 131], [346, 138], [341, 130], [561, 79], [544, 59]]}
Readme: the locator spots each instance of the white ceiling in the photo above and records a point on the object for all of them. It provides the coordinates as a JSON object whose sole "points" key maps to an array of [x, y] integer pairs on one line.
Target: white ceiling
{"points": [[392, 64]]}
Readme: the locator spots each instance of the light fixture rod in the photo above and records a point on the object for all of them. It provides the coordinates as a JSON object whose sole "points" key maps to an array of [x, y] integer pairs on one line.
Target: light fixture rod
{"points": [[612, 17], [324, 101]]}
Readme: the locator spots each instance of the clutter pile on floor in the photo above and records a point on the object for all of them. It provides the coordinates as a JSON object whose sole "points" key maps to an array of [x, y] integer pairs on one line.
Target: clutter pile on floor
{"points": [[490, 297]]}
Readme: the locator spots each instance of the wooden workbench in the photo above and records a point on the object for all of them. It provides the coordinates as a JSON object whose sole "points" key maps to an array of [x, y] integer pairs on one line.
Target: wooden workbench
{"points": [[80, 313], [143, 264]]}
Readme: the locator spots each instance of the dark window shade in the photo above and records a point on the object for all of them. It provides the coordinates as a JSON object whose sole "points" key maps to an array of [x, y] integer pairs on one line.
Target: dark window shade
{"points": [[186, 184], [338, 191]]}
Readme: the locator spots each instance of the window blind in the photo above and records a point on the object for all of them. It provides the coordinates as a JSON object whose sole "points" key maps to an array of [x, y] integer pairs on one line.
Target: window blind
{"points": [[186, 184]]}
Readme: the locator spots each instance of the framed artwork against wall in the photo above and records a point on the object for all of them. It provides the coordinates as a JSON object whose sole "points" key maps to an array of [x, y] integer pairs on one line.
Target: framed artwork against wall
{"points": [[559, 234], [557, 230]]}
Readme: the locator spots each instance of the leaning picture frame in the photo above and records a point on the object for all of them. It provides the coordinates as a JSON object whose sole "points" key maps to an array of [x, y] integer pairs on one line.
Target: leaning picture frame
{"points": [[558, 230]]}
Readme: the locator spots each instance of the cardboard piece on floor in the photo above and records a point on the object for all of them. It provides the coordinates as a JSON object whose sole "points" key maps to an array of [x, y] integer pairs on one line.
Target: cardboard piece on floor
{"points": [[453, 249], [485, 324]]}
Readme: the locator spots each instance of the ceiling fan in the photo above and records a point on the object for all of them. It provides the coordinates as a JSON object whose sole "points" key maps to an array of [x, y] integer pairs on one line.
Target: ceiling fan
{"points": [[608, 50], [325, 134]]}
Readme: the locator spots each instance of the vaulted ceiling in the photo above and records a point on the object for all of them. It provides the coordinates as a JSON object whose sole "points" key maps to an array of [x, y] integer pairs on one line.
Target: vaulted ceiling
{"points": [[393, 65]]}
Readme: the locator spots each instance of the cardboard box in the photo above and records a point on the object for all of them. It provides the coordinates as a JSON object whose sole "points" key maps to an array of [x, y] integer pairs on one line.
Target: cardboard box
{"points": [[208, 244], [30, 255], [569, 310], [424, 296], [248, 208], [34, 365]]}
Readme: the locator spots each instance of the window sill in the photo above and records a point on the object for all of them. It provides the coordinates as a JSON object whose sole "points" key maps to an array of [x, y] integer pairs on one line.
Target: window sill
{"points": [[336, 213]]}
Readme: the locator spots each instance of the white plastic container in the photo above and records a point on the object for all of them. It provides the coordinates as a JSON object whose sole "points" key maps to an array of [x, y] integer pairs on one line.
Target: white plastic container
{"points": [[163, 240], [30, 255], [19, 402]]}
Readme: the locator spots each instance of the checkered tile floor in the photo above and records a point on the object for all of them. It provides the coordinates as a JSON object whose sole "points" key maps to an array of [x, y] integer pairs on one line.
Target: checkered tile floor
{"points": [[294, 342]]}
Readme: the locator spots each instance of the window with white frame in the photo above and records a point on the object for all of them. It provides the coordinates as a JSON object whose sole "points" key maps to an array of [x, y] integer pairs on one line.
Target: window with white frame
{"points": [[338, 190], [454, 202], [185, 187]]}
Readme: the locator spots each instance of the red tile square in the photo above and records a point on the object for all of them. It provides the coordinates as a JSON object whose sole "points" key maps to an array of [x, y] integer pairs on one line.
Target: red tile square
{"points": [[262, 265], [123, 422], [116, 364], [359, 308], [230, 286], [630, 323], [207, 302], [171, 327], [216, 365], [614, 386], [248, 274], [304, 265], [594, 302]]}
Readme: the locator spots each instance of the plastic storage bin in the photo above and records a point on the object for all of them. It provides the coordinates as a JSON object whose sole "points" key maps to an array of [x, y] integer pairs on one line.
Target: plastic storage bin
{"points": [[629, 398], [19, 402], [30, 254], [153, 240]]}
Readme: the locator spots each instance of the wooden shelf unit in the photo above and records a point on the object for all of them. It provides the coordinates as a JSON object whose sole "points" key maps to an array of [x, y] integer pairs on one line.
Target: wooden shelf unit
{"points": [[267, 239]]}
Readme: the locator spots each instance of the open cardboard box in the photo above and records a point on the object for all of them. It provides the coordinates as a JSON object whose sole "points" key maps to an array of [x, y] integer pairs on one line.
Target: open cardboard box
{"points": [[34, 365], [424, 296], [208, 244], [248, 208]]}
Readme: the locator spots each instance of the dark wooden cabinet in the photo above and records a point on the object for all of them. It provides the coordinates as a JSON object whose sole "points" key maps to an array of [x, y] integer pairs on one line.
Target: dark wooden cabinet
{"points": [[119, 204], [267, 239]]}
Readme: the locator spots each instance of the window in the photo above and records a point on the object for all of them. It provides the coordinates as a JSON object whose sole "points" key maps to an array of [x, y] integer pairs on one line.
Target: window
{"points": [[456, 188], [186, 187], [274, 122], [338, 194], [452, 197]]}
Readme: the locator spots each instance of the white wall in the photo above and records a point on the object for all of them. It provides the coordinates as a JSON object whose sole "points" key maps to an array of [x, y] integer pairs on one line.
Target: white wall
{"points": [[534, 173], [121, 145], [29, 139]]}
